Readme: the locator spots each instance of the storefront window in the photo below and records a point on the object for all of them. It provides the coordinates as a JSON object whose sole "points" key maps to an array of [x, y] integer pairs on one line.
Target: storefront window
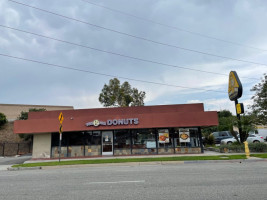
{"points": [[191, 141], [144, 139], [75, 138], [127, 142], [92, 138], [165, 138], [194, 139], [55, 139], [122, 139]]}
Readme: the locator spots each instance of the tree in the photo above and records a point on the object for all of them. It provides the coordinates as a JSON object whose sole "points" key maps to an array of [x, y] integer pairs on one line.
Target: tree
{"points": [[224, 113], [24, 116], [227, 121], [3, 119], [116, 95], [259, 106]]}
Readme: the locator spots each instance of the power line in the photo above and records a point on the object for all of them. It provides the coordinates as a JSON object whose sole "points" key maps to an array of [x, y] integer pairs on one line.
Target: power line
{"points": [[108, 75], [141, 38], [117, 54], [174, 27]]}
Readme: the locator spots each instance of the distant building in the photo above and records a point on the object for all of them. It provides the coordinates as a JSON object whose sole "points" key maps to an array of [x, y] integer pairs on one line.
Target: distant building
{"points": [[12, 111]]}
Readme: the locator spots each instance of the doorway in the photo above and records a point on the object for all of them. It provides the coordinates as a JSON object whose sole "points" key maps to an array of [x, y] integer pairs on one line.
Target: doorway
{"points": [[107, 143]]}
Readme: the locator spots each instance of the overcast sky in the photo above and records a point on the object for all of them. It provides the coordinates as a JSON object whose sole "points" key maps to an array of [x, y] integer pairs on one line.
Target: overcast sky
{"points": [[23, 82]]}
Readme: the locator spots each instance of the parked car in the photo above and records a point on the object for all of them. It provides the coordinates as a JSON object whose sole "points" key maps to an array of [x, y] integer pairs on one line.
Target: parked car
{"points": [[260, 132], [250, 139], [218, 136]]}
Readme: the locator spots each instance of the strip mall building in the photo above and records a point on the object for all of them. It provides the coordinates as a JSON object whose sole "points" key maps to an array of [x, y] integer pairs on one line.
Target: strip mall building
{"points": [[166, 129]]}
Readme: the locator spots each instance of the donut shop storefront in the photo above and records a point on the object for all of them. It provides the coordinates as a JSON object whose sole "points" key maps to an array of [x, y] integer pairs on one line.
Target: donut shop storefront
{"points": [[165, 129]]}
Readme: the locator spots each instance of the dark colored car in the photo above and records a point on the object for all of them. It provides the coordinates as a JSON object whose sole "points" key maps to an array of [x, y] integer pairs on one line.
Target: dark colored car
{"points": [[218, 136]]}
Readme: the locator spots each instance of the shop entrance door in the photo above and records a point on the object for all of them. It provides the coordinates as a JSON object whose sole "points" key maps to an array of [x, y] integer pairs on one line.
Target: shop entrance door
{"points": [[107, 143]]}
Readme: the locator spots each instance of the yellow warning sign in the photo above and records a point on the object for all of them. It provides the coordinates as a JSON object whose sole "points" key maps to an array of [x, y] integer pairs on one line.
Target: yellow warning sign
{"points": [[60, 129], [60, 118]]}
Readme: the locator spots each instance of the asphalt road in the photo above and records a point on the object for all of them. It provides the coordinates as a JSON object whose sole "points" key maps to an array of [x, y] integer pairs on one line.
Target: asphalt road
{"points": [[246, 181]]}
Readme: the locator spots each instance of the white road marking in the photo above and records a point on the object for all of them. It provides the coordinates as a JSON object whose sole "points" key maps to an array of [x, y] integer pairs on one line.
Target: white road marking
{"points": [[8, 175], [116, 182]]}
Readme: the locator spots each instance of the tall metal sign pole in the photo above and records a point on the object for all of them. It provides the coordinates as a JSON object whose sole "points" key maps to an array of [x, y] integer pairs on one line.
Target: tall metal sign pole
{"points": [[235, 91], [60, 118]]}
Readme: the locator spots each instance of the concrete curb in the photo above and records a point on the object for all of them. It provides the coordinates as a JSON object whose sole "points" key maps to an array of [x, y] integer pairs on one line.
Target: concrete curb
{"points": [[229, 161], [22, 168]]}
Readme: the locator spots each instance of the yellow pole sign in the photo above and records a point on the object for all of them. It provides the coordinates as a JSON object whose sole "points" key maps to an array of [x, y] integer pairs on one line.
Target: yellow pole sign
{"points": [[246, 149], [239, 108], [235, 88]]}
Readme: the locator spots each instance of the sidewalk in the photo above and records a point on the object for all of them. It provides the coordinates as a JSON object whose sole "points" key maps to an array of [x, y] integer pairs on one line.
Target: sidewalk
{"points": [[206, 153], [137, 163], [4, 167]]}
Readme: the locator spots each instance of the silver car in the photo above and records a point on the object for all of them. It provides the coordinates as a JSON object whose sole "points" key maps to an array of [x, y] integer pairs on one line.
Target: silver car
{"points": [[250, 139]]}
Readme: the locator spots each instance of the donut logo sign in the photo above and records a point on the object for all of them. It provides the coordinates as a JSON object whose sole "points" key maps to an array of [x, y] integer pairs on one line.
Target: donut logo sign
{"points": [[114, 122]]}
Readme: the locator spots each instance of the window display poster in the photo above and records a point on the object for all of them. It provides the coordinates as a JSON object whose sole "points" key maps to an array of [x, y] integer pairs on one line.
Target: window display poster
{"points": [[184, 135], [164, 136], [150, 144]]}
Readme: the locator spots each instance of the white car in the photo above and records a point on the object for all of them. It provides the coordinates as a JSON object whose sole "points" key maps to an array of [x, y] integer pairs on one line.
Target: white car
{"points": [[250, 139]]}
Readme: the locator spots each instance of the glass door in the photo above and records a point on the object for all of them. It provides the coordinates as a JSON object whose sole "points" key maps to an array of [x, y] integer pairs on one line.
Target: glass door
{"points": [[107, 143]]}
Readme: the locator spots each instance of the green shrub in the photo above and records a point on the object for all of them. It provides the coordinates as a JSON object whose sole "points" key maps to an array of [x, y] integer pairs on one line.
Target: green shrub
{"points": [[238, 148], [236, 143], [3, 119], [232, 148], [209, 140], [257, 147]]}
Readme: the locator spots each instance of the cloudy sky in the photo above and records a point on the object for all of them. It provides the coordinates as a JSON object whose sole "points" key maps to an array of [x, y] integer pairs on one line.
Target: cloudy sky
{"points": [[166, 32]]}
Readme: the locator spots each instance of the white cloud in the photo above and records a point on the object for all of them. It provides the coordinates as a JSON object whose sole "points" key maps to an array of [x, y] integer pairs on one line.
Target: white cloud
{"points": [[242, 24], [194, 101], [81, 101]]}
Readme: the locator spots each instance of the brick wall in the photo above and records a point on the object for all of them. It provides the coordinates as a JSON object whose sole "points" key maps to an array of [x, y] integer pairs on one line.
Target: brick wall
{"points": [[7, 135]]}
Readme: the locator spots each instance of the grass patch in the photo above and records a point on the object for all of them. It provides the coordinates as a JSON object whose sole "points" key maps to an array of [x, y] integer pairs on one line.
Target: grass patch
{"points": [[259, 155], [125, 160]]}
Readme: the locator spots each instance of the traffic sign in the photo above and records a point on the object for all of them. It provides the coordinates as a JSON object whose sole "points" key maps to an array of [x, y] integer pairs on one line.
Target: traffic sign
{"points": [[60, 129], [60, 118]]}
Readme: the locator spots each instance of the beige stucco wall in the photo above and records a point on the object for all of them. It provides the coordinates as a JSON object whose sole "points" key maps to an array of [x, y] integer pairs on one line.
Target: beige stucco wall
{"points": [[41, 145], [12, 111]]}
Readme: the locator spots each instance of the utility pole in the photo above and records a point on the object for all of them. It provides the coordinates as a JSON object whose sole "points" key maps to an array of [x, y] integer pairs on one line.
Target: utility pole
{"points": [[60, 118]]}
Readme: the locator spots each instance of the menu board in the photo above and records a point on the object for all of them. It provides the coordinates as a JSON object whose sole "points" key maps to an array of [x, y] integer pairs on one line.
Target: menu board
{"points": [[164, 136], [184, 135]]}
